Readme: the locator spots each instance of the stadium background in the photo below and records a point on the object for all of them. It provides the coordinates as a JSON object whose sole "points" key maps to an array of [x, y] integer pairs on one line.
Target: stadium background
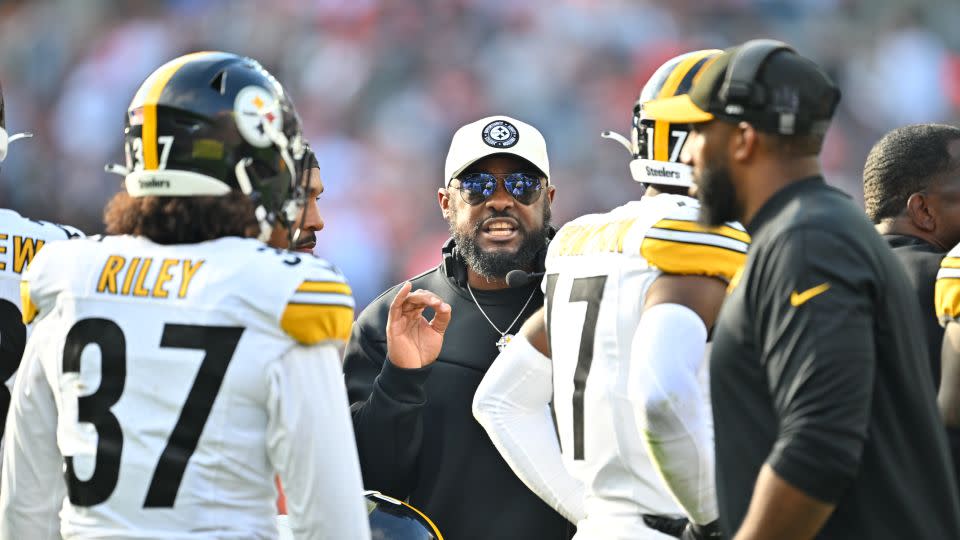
{"points": [[382, 84]]}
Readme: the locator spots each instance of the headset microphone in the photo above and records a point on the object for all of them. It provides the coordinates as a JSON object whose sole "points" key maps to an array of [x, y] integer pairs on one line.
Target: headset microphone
{"points": [[519, 278]]}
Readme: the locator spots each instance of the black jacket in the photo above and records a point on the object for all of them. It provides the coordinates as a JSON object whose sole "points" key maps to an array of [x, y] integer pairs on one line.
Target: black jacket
{"points": [[922, 261], [416, 434]]}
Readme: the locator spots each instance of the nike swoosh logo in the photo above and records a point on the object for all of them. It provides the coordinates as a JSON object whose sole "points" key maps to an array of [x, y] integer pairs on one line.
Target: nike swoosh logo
{"points": [[798, 299]]}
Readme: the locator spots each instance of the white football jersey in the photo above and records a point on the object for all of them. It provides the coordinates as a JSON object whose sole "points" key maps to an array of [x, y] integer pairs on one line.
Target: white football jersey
{"points": [[598, 270], [20, 240], [183, 377]]}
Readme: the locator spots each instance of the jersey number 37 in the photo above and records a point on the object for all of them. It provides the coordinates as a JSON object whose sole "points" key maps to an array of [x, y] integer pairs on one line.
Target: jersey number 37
{"points": [[219, 344]]}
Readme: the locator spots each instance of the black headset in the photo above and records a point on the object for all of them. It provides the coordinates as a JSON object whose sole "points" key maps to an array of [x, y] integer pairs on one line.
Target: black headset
{"points": [[742, 96], [453, 264], [739, 84], [455, 267]]}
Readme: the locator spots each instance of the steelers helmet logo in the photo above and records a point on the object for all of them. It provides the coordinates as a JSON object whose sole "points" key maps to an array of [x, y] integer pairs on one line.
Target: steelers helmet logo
{"points": [[254, 108], [500, 134]]}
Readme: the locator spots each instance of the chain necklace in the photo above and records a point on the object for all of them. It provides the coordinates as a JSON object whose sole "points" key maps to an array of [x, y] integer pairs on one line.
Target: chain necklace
{"points": [[504, 336]]}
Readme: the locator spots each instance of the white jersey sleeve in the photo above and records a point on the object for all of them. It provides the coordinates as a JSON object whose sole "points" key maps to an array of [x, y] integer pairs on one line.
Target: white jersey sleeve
{"points": [[512, 404], [31, 484], [318, 477]]}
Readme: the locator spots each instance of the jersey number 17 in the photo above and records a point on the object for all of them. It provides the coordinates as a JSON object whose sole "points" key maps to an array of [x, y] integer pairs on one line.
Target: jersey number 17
{"points": [[589, 290]]}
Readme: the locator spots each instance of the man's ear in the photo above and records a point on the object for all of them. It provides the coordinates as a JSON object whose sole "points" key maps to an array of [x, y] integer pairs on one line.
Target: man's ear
{"points": [[551, 192], [443, 197], [744, 141], [921, 213]]}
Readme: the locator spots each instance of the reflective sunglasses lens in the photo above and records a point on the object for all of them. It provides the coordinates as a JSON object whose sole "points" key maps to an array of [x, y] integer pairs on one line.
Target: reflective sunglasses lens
{"points": [[524, 187], [477, 187]]}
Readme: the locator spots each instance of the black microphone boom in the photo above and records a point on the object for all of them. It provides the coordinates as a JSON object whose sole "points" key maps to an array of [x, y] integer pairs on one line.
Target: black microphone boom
{"points": [[519, 278]]}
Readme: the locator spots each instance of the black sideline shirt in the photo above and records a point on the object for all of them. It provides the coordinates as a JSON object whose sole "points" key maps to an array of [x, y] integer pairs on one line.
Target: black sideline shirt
{"points": [[922, 262], [819, 370], [416, 435]]}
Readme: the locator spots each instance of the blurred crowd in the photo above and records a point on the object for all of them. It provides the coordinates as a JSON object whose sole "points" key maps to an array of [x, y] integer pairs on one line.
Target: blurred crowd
{"points": [[382, 84]]}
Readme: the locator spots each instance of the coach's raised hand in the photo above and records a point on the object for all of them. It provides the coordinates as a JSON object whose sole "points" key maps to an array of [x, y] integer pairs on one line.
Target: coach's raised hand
{"points": [[412, 341]]}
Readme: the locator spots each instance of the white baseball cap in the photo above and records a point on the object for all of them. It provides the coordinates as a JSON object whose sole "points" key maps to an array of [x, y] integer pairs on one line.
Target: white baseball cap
{"points": [[495, 135]]}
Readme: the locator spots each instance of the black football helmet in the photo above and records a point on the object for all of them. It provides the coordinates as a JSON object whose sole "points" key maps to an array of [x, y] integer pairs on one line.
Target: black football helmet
{"points": [[656, 144], [6, 139], [209, 123], [391, 519]]}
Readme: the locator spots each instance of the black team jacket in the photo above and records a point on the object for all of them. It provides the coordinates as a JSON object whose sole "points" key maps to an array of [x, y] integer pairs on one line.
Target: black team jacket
{"points": [[416, 435]]}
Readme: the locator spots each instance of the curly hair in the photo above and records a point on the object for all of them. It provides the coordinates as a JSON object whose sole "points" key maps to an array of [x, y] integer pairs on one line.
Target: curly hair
{"points": [[181, 220], [905, 161]]}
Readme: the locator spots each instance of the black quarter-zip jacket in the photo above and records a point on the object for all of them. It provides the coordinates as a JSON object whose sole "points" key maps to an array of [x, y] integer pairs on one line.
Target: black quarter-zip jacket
{"points": [[416, 435]]}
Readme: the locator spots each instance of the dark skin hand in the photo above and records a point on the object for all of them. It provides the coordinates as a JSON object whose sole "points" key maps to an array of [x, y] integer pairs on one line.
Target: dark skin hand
{"points": [[412, 341]]}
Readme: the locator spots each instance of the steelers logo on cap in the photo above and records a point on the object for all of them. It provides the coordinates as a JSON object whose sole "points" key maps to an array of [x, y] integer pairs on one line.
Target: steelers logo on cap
{"points": [[500, 134]]}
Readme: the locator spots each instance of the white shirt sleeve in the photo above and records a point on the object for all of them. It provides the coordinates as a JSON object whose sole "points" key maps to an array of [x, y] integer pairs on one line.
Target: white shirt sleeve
{"points": [[32, 489], [512, 404], [311, 445]]}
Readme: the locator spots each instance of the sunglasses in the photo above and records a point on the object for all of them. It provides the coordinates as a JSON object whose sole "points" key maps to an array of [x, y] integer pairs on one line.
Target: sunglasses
{"points": [[476, 188]]}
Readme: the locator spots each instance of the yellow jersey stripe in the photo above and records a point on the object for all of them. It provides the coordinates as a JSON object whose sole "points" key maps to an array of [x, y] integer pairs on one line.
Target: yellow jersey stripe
{"points": [[693, 226], [29, 311], [950, 262], [149, 130], [310, 324], [682, 258], [947, 299], [324, 287]]}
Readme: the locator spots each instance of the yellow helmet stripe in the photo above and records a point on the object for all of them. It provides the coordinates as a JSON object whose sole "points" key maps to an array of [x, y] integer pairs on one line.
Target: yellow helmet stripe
{"points": [[160, 79], [705, 67], [661, 128]]}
